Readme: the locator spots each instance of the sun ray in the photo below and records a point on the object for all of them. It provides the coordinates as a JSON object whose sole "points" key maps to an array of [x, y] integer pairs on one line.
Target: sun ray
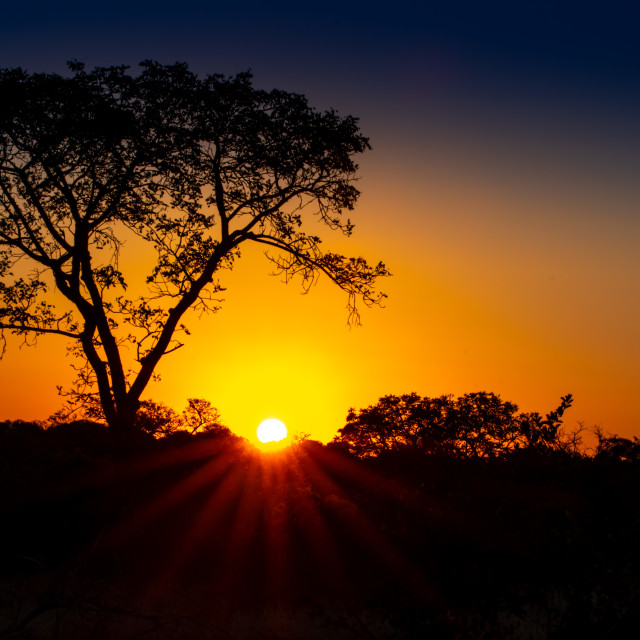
{"points": [[242, 534], [139, 521], [276, 512], [324, 554], [354, 523], [203, 531]]}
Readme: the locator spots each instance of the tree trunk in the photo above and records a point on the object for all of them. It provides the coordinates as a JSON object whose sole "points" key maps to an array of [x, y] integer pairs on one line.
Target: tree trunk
{"points": [[128, 439]]}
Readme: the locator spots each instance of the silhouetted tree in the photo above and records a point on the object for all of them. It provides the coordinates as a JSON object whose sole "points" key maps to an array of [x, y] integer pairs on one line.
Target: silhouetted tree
{"points": [[195, 168], [201, 416], [22, 426], [616, 448], [475, 425], [156, 418], [483, 425], [396, 422]]}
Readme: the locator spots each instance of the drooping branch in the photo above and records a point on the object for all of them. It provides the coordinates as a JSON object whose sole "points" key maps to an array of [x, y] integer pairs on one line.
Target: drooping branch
{"points": [[304, 259]]}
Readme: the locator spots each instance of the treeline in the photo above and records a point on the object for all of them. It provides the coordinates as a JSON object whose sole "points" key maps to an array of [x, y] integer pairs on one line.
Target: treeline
{"points": [[152, 418], [476, 425]]}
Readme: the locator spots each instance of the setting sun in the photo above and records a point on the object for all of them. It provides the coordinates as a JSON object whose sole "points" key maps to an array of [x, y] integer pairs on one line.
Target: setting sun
{"points": [[271, 430]]}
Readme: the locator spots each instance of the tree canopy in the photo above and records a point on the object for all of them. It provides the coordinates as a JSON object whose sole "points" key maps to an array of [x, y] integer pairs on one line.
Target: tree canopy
{"points": [[475, 425], [196, 168]]}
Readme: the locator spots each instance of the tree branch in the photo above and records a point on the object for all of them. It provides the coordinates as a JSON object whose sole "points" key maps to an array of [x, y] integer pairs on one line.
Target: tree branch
{"points": [[24, 328]]}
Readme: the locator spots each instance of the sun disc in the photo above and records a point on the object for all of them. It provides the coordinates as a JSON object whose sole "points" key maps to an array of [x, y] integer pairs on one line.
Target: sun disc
{"points": [[271, 430]]}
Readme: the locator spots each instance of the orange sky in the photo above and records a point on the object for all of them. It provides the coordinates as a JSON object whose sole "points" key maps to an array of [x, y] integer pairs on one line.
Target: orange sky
{"points": [[501, 191]]}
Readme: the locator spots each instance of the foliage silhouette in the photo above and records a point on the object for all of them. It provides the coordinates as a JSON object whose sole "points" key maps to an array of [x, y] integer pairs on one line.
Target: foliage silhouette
{"points": [[545, 433], [156, 418], [475, 425], [196, 169], [616, 448], [202, 417], [199, 417]]}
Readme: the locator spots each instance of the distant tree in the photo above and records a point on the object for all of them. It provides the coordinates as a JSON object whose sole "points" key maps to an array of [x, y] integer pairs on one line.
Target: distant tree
{"points": [[192, 168], [397, 422], [156, 418], [616, 448], [10, 427], [475, 425], [202, 417], [483, 426], [199, 417]]}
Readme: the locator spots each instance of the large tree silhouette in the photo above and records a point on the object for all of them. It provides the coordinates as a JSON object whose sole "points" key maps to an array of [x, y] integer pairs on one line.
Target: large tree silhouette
{"points": [[194, 167]]}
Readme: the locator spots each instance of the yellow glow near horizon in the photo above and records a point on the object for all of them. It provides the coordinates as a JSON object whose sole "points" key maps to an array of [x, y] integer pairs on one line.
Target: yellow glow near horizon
{"points": [[271, 431]]}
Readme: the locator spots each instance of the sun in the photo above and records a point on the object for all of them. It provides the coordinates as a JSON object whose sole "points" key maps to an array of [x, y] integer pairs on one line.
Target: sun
{"points": [[271, 430]]}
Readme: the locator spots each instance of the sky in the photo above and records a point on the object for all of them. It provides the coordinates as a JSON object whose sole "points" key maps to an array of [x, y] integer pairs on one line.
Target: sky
{"points": [[501, 191]]}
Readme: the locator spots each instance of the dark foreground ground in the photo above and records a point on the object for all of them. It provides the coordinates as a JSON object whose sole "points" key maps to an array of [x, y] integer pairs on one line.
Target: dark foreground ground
{"points": [[206, 538]]}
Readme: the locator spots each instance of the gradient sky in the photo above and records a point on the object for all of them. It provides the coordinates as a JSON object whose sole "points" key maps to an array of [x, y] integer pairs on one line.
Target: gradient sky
{"points": [[502, 191]]}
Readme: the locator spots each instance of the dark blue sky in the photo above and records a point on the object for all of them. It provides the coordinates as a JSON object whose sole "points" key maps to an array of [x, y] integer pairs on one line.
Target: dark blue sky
{"points": [[379, 60], [581, 44]]}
